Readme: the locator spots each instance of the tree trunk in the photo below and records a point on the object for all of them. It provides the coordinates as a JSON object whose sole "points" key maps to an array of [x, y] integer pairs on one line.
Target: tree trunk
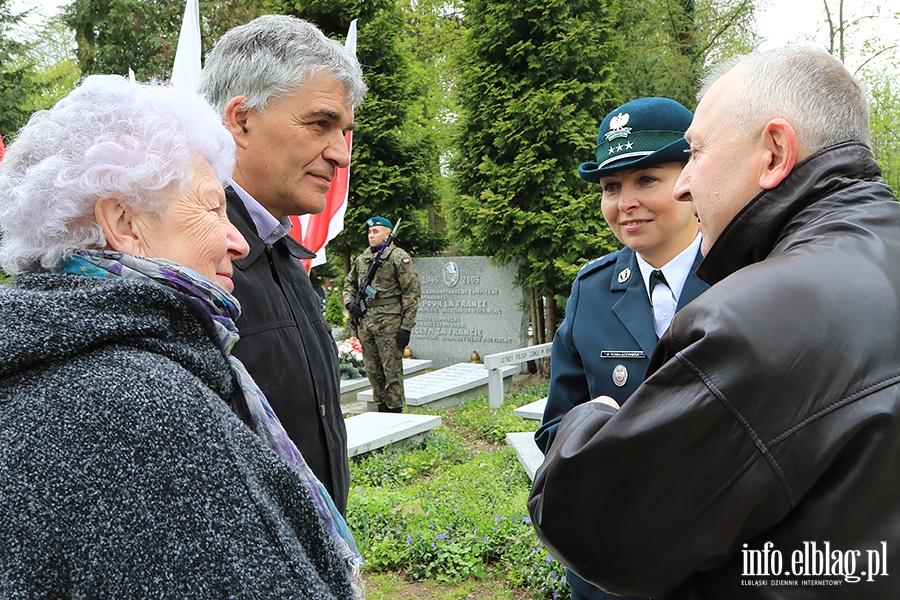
{"points": [[543, 326], [537, 318], [550, 319], [345, 258], [685, 34]]}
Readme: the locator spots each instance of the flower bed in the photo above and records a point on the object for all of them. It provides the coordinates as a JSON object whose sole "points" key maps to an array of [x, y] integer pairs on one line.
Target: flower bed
{"points": [[351, 359]]}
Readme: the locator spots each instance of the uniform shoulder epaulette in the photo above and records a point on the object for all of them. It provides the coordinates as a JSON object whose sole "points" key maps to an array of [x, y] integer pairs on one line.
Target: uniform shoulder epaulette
{"points": [[597, 263]]}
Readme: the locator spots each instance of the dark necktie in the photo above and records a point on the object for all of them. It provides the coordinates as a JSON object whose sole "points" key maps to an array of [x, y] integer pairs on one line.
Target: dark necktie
{"points": [[662, 301], [657, 277]]}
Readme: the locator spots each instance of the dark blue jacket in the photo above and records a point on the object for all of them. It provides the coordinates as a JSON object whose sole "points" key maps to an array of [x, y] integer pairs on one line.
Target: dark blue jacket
{"points": [[603, 346], [609, 322]]}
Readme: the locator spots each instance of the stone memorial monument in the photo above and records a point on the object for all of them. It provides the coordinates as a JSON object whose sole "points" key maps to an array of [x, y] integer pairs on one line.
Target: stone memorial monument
{"points": [[468, 305]]}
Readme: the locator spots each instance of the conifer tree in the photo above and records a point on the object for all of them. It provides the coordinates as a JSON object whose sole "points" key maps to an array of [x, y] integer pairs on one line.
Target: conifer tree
{"points": [[536, 80], [142, 35], [18, 80]]}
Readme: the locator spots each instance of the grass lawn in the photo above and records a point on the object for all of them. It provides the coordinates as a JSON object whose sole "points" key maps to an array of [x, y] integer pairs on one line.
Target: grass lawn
{"points": [[394, 586], [447, 518]]}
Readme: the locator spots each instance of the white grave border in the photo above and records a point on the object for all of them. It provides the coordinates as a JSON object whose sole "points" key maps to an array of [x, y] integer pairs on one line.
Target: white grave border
{"points": [[495, 362]]}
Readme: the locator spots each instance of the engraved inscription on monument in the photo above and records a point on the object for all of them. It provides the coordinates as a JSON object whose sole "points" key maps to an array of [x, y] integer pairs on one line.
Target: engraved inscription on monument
{"points": [[467, 305]]}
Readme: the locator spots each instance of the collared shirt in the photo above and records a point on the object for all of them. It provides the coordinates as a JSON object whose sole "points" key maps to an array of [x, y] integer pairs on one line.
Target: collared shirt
{"points": [[676, 270], [665, 299], [269, 229]]}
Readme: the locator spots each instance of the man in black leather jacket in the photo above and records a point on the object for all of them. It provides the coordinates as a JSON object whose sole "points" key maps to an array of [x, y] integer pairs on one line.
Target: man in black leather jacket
{"points": [[287, 93], [759, 458]]}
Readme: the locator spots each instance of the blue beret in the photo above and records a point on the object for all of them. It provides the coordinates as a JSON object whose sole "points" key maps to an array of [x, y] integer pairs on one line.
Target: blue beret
{"points": [[640, 133], [379, 221]]}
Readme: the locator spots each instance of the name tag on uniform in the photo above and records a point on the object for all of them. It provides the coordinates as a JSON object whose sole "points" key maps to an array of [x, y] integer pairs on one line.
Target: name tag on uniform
{"points": [[622, 354]]}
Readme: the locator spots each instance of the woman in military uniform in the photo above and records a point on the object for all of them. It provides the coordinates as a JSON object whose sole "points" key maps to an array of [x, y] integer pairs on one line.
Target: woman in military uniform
{"points": [[622, 303]]}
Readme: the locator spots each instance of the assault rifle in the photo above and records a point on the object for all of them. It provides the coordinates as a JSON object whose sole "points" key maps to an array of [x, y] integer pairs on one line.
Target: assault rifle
{"points": [[366, 293]]}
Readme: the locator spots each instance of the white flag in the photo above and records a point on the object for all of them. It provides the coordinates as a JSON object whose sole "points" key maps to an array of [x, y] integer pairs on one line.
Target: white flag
{"points": [[186, 70], [350, 42]]}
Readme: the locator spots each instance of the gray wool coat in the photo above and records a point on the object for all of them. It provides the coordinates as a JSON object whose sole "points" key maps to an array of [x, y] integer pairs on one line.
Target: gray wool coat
{"points": [[123, 471]]}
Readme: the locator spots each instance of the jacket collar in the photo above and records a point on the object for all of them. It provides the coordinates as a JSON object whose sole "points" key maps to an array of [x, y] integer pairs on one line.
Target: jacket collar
{"points": [[767, 217], [240, 218], [625, 271], [368, 253], [693, 286], [632, 308]]}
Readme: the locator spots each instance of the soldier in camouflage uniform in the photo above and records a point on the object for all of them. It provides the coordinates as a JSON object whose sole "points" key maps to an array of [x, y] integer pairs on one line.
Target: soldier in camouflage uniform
{"points": [[384, 328]]}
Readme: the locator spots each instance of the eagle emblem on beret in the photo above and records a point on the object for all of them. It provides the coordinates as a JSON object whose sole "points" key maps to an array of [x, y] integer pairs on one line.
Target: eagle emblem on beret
{"points": [[619, 121], [617, 127]]}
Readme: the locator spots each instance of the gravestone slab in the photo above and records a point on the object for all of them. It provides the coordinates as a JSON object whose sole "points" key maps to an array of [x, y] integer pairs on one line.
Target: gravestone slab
{"points": [[369, 431], [468, 305], [449, 386], [529, 455], [533, 410], [351, 387]]}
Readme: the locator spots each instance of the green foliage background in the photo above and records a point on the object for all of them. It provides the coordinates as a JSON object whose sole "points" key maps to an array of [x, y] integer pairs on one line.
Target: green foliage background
{"points": [[478, 115], [530, 95], [665, 55], [334, 310], [884, 120], [20, 80], [114, 36]]}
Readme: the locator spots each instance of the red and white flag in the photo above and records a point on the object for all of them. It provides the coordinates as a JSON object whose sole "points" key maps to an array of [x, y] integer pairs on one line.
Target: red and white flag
{"points": [[315, 231], [186, 69]]}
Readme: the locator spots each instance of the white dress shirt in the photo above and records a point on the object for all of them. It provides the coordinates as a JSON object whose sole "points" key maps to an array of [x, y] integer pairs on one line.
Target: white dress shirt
{"points": [[664, 298]]}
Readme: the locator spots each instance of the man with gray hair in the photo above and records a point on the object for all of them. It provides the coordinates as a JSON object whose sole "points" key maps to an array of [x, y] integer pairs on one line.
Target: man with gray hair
{"points": [[759, 457], [287, 94]]}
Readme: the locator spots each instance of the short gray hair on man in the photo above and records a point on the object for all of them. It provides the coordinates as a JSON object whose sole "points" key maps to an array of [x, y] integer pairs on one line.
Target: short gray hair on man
{"points": [[270, 58], [109, 137], [804, 85]]}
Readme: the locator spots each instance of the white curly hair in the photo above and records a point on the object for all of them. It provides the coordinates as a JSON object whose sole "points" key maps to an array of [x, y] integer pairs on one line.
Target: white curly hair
{"points": [[108, 137]]}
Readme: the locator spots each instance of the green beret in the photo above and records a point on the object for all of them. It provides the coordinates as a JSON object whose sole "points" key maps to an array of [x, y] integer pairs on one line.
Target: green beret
{"points": [[379, 221]]}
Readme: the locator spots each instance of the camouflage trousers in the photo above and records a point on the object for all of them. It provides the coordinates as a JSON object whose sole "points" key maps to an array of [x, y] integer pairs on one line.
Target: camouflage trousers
{"points": [[382, 358]]}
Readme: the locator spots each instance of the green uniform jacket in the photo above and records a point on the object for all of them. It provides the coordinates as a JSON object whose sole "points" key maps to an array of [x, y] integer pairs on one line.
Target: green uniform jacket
{"points": [[395, 278]]}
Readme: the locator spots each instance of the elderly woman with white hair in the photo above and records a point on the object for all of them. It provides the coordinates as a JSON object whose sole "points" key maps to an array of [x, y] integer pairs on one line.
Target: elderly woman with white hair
{"points": [[125, 468]]}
